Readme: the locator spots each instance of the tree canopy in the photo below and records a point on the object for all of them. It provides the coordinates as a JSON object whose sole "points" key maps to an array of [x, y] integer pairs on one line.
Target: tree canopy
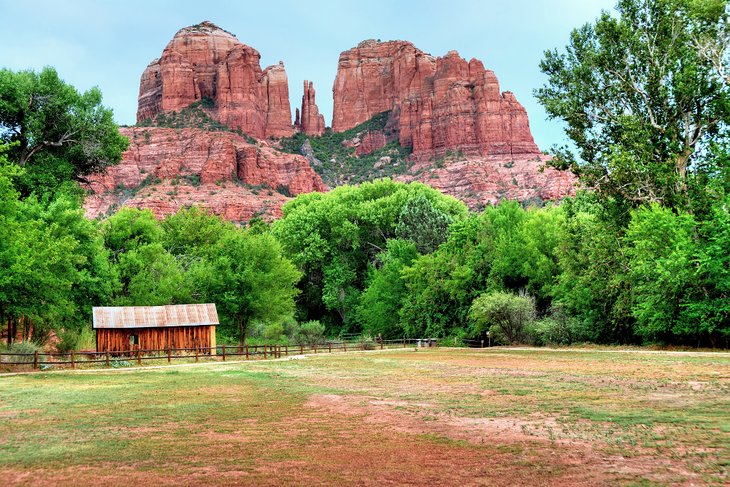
{"points": [[334, 237], [58, 133], [645, 97]]}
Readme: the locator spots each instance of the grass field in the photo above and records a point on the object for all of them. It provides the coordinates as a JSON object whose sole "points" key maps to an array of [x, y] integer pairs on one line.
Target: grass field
{"points": [[444, 416]]}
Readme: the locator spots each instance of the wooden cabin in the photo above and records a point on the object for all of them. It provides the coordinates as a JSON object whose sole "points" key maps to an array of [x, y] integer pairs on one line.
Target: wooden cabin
{"points": [[127, 328]]}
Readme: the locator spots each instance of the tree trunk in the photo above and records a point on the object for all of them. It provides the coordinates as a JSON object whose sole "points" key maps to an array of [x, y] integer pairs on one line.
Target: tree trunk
{"points": [[241, 332], [11, 330], [682, 162]]}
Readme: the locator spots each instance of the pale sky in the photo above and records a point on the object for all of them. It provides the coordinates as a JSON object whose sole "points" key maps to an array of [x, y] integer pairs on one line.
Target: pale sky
{"points": [[108, 43]]}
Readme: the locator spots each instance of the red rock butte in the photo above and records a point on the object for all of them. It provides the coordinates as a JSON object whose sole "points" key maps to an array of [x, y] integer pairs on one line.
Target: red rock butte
{"points": [[468, 139], [205, 61], [438, 103]]}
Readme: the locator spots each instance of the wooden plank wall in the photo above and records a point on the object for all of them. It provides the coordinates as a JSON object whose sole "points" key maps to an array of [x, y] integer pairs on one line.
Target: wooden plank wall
{"points": [[114, 339]]}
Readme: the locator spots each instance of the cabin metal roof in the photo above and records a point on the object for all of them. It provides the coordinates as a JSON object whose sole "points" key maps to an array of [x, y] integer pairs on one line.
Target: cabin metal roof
{"points": [[155, 316]]}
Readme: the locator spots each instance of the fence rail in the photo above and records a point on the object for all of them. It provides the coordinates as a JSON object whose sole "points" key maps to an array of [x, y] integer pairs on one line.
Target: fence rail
{"points": [[218, 353]]}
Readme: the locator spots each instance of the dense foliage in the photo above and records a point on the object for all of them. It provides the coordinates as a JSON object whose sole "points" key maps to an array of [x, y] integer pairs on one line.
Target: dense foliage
{"points": [[645, 95], [55, 132], [335, 239]]}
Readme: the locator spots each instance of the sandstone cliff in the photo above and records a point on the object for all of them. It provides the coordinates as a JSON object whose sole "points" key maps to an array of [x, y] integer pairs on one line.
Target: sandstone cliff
{"points": [[438, 104], [206, 62], [482, 180], [168, 169], [398, 112]]}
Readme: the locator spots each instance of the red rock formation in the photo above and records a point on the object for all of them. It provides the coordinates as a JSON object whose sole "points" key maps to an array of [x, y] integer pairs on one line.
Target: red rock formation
{"points": [[204, 61], [482, 180], [438, 104], [168, 169], [309, 121], [371, 142]]}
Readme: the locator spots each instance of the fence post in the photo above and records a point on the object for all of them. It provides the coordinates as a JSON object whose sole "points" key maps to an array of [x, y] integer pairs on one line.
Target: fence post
{"points": [[73, 359], [315, 348], [404, 342], [344, 345], [301, 349], [139, 359], [196, 353], [107, 358], [35, 360], [224, 353], [482, 344], [264, 350], [286, 350], [169, 354], [329, 345], [381, 344]]}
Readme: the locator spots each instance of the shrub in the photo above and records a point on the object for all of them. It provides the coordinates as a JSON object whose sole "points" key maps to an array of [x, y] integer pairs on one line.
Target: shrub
{"points": [[506, 315], [28, 348], [310, 333], [452, 341], [67, 340], [273, 332], [368, 343], [558, 328]]}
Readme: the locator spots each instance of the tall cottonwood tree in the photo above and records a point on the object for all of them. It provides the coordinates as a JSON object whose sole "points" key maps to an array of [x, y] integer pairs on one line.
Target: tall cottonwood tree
{"points": [[645, 97]]}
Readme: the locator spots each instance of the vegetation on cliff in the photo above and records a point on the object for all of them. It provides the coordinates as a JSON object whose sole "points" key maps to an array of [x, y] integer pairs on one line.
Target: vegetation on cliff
{"points": [[335, 157]]}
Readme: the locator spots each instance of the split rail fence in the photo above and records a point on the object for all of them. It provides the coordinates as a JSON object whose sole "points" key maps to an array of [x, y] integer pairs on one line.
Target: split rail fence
{"points": [[222, 353]]}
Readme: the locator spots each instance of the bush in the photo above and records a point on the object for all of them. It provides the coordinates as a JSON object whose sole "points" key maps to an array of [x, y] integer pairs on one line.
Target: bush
{"points": [[67, 340], [309, 333], [507, 316], [29, 348], [558, 328], [452, 341], [273, 332], [368, 343]]}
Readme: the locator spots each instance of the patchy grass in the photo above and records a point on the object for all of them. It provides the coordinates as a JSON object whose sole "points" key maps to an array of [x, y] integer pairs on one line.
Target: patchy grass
{"points": [[498, 417]]}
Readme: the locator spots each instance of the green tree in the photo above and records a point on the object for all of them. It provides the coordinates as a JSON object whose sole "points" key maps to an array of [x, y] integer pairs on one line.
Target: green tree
{"points": [[191, 231], [506, 315], [48, 256], [423, 224], [642, 98], [59, 133], [592, 282], [381, 301], [679, 275], [334, 237], [148, 274], [660, 251], [249, 279]]}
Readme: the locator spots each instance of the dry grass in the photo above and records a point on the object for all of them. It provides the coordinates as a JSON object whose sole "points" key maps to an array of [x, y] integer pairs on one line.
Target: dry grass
{"points": [[495, 417]]}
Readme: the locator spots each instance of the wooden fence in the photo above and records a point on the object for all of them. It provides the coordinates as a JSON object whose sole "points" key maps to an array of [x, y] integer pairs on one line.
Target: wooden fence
{"points": [[220, 353]]}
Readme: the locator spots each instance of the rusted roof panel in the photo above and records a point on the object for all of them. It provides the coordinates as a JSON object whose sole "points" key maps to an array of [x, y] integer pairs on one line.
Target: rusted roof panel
{"points": [[155, 316]]}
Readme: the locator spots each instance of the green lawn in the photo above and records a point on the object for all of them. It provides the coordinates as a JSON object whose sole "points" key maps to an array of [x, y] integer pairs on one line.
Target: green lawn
{"points": [[498, 417]]}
